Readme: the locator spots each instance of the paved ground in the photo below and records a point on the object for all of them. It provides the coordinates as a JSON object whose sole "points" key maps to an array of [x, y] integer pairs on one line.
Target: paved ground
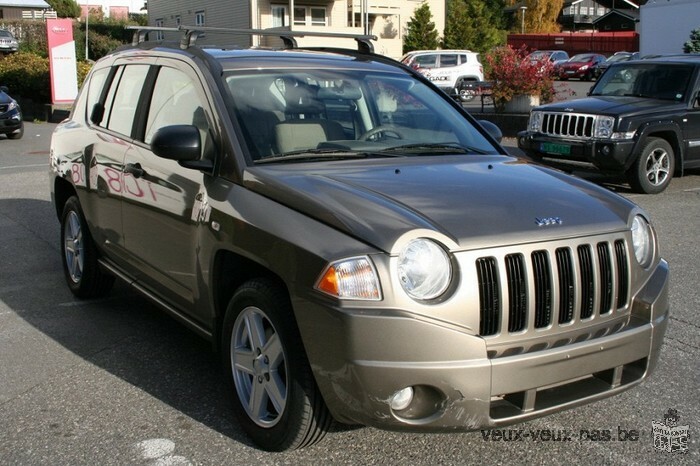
{"points": [[115, 381]]}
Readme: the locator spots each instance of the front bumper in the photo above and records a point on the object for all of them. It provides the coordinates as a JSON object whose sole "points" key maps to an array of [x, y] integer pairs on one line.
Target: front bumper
{"points": [[361, 359], [604, 155], [10, 121]]}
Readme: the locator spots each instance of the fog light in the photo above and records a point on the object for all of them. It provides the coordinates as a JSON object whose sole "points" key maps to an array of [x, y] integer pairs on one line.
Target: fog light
{"points": [[605, 150], [402, 399]]}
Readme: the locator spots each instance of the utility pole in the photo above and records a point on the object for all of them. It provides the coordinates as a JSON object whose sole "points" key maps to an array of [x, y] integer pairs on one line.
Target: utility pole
{"points": [[522, 19]]}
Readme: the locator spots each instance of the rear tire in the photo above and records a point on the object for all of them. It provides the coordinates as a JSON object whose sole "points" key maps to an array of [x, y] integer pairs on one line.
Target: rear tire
{"points": [[275, 396], [79, 255], [651, 173]]}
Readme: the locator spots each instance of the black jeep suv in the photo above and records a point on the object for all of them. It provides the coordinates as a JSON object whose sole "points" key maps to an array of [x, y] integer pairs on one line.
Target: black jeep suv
{"points": [[641, 121]]}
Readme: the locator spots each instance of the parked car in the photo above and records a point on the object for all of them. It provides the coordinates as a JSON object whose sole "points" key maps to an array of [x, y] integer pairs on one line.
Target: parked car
{"points": [[8, 43], [579, 66], [351, 240], [555, 57], [11, 123], [640, 122], [448, 69], [616, 57]]}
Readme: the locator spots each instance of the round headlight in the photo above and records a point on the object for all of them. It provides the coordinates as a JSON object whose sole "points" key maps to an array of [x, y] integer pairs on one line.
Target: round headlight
{"points": [[642, 240], [424, 269]]}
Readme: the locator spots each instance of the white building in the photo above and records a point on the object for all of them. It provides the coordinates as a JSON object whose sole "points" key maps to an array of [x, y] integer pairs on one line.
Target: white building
{"points": [[665, 25], [113, 8], [385, 19]]}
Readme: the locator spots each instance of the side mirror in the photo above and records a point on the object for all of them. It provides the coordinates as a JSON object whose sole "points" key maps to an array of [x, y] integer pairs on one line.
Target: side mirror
{"points": [[493, 130], [181, 143], [4, 89]]}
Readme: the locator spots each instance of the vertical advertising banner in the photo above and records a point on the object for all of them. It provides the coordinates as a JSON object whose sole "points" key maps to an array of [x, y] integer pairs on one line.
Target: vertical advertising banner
{"points": [[62, 62]]}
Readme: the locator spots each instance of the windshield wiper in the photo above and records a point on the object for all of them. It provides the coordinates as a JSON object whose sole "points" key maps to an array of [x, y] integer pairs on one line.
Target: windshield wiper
{"points": [[306, 154], [437, 148]]}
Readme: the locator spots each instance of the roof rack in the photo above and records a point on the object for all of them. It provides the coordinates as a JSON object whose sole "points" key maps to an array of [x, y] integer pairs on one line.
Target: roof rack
{"points": [[192, 33]]}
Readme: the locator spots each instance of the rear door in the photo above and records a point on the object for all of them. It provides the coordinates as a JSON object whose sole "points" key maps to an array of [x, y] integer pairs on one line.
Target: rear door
{"points": [[165, 204]]}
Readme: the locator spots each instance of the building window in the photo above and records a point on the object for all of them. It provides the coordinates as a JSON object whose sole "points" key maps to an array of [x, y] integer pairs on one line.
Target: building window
{"points": [[314, 16], [572, 10], [601, 11], [318, 16], [199, 19], [159, 24], [584, 10], [279, 16]]}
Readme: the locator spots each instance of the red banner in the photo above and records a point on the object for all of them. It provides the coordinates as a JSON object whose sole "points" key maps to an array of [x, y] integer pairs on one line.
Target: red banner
{"points": [[62, 62]]}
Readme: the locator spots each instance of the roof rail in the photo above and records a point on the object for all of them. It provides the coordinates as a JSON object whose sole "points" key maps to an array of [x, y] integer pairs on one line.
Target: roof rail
{"points": [[192, 33]]}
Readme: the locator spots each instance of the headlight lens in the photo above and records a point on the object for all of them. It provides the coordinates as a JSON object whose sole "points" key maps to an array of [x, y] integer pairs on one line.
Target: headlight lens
{"points": [[12, 106], [424, 269], [642, 240], [535, 121], [604, 126], [353, 278]]}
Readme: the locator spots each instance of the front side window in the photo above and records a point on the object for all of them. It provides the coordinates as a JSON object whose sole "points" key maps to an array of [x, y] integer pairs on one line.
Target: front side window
{"points": [[426, 61], [176, 101]]}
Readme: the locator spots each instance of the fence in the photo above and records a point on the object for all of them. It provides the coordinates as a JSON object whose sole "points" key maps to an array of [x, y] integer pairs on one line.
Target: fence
{"points": [[606, 43]]}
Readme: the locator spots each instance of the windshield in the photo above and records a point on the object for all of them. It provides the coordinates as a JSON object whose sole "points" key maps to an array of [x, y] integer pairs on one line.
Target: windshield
{"points": [[650, 80], [289, 115], [582, 57], [5, 34]]}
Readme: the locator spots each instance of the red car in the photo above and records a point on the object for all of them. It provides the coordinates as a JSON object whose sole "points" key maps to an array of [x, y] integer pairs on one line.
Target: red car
{"points": [[579, 66]]}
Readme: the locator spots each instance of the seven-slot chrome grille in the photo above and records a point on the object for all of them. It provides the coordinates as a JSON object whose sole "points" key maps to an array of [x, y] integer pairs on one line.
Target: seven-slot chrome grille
{"points": [[575, 125], [550, 289]]}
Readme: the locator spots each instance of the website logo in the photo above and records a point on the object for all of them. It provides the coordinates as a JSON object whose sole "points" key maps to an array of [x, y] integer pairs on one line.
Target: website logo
{"points": [[669, 437]]}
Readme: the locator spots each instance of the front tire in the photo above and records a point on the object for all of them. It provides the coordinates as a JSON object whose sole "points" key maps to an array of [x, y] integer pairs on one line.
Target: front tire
{"points": [[276, 399], [651, 173], [17, 134], [83, 274]]}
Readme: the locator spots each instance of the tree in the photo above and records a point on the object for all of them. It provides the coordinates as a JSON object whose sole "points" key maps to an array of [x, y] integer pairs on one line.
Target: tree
{"points": [[693, 45], [65, 8], [476, 25], [541, 15], [420, 31]]}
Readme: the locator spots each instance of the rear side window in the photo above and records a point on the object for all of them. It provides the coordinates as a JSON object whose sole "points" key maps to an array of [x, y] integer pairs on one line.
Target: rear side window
{"points": [[97, 82], [448, 60], [126, 99], [463, 59], [426, 61]]}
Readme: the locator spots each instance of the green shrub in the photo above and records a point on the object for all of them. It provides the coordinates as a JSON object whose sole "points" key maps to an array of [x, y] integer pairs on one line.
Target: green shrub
{"points": [[27, 75]]}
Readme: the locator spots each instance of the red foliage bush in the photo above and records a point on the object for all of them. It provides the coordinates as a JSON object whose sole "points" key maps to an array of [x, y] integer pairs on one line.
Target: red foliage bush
{"points": [[512, 73]]}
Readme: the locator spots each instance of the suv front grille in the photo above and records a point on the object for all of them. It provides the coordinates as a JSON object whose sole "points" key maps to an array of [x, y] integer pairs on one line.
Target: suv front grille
{"points": [[552, 288], [576, 125]]}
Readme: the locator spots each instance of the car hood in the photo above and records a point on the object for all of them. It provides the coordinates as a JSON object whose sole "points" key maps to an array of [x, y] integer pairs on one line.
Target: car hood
{"points": [[613, 105], [476, 201], [4, 98]]}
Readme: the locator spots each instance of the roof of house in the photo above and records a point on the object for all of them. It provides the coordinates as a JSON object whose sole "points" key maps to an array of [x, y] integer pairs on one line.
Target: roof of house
{"points": [[627, 14], [25, 3]]}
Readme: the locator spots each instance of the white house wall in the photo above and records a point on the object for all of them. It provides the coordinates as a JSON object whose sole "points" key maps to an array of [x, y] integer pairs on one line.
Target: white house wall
{"points": [[665, 25], [391, 18]]}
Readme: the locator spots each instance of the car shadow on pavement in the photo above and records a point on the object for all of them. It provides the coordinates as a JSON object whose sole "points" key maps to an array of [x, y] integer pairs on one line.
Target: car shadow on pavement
{"points": [[123, 334]]}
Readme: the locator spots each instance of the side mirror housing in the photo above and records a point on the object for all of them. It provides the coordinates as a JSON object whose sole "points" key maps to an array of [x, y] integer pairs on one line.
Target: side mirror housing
{"points": [[181, 143], [4, 89], [493, 130]]}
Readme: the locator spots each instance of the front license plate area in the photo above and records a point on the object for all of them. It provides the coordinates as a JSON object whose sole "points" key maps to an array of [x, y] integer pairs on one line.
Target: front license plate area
{"points": [[559, 149]]}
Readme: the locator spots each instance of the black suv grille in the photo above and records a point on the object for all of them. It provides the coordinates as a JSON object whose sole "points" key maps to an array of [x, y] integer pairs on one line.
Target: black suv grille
{"points": [[597, 273], [568, 124]]}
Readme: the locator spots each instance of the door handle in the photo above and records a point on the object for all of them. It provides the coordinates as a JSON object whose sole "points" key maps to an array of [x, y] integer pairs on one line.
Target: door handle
{"points": [[135, 169]]}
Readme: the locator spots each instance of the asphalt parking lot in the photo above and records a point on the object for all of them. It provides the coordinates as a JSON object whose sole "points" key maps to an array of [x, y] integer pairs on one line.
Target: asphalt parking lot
{"points": [[115, 381]]}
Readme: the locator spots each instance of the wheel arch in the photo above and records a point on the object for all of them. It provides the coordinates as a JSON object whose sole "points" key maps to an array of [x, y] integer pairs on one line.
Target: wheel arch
{"points": [[230, 271], [671, 134], [62, 191]]}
